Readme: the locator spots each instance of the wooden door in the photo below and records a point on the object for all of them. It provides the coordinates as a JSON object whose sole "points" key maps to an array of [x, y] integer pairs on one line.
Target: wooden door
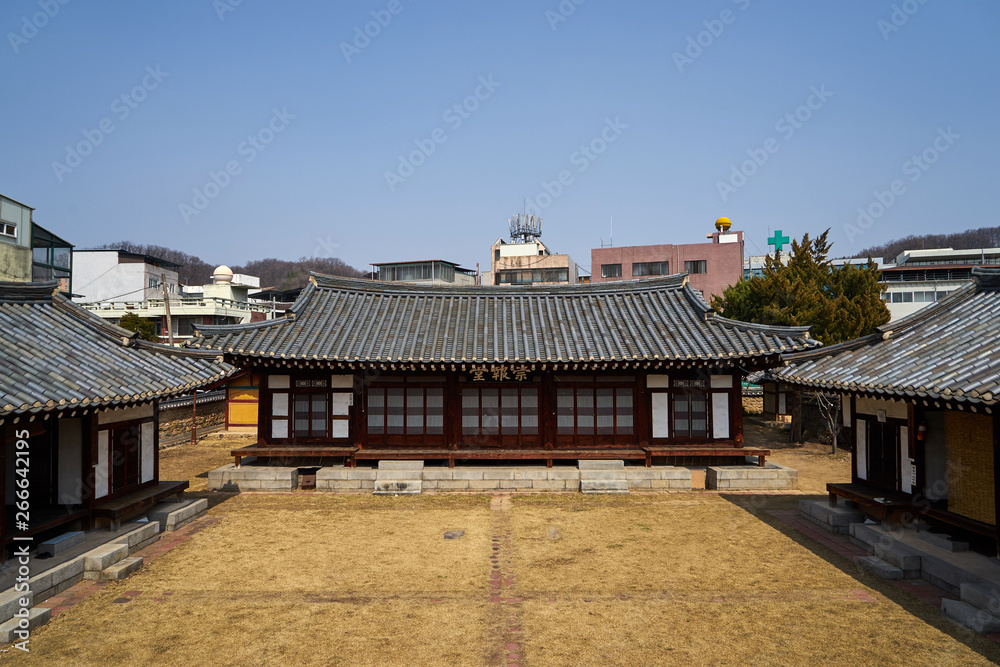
{"points": [[883, 455]]}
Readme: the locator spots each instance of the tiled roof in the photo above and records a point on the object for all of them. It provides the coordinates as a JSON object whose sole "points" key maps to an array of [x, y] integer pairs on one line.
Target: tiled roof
{"points": [[946, 351], [55, 355], [360, 321]]}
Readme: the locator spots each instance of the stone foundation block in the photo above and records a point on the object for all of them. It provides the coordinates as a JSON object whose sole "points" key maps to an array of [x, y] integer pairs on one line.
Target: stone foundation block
{"points": [[970, 617], [122, 569], [879, 567], [172, 516], [588, 464], [453, 485], [400, 465], [36, 617]]}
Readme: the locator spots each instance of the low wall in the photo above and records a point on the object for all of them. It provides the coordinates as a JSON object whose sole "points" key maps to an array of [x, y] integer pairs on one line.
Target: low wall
{"points": [[175, 423]]}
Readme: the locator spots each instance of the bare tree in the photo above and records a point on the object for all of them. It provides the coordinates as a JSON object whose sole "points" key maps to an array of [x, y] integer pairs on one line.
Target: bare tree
{"points": [[829, 407]]}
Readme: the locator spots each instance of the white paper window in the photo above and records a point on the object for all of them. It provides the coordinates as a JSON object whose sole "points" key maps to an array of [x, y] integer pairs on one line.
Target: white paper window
{"points": [[904, 458], [861, 447], [845, 409], [720, 415], [279, 428], [101, 474], [148, 457], [279, 405], [339, 428], [661, 416], [341, 404]]}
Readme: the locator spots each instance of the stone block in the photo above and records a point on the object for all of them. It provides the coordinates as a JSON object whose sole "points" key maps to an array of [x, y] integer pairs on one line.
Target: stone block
{"points": [[143, 534], [606, 475], [400, 465], [60, 544], [518, 484], [635, 473], [103, 557], [587, 464], [429, 485], [438, 473], [10, 601], [122, 568], [56, 579], [969, 616], [562, 473], [453, 485], [389, 475], [673, 484], [879, 567], [363, 474], [945, 542], [484, 484], [498, 473], [982, 597], [640, 484], [36, 617], [397, 487], [603, 486], [834, 517], [172, 516], [467, 473], [331, 473], [531, 473], [549, 485], [338, 485]]}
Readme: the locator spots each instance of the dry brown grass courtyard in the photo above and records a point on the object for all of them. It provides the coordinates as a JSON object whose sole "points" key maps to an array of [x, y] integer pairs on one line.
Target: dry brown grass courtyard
{"points": [[658, 579]]}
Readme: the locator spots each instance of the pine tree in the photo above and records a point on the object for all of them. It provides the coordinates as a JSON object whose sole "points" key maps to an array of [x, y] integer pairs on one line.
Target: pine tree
{"points": [[145, 328], [807, 290]]}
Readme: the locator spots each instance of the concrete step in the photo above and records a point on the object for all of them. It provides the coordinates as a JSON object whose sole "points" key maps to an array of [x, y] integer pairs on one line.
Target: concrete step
{"points": [[884, 546], [967, 615], [604, 486], [981, 597], [835, 519], [585, 464], [122, 569], [603, 474], [400, 465], [58, 545], [140, 537], [101, 558], [943, 541], [9, 630], [392, 487], [879, 567]]}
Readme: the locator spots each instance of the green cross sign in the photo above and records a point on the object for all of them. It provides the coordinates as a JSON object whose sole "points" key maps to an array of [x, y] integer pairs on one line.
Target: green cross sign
{"points": [[778, 241]]}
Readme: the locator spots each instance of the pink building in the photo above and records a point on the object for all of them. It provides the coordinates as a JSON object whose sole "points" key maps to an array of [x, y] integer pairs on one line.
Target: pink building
{"points": [[712, 266]]}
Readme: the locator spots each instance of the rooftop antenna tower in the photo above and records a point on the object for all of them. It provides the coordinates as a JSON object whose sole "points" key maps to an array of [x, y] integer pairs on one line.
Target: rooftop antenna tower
{"points": [[525, 228], [610, 243]]}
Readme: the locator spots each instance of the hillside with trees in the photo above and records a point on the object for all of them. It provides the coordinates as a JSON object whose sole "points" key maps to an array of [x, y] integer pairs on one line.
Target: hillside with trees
{"points": [[277, 273], [985, 237]]}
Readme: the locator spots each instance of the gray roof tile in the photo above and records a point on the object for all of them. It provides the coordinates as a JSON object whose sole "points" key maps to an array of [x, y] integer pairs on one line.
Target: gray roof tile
{"points": [[359, 321], [55, 355]]}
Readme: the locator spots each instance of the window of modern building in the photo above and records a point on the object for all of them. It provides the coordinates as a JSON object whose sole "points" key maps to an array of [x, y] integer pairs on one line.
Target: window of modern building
{"points": [[697, 266], [531, 276], [611, 270], [650, 268]]}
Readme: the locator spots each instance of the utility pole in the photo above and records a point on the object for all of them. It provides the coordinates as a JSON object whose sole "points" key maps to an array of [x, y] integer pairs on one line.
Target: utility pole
{"points": [[166, 305]]}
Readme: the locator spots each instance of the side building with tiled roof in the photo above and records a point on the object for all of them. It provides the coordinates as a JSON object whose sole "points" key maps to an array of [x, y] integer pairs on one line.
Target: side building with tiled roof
{"points": [[78, 411], [628, 370], [920, 406]]}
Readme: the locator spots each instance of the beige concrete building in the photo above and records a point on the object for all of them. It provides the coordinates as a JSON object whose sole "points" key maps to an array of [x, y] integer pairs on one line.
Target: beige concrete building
{"points": [[529, 263]]}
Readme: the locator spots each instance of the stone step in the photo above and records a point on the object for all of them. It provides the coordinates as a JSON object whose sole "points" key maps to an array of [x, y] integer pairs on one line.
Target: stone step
{"points": [[603, 486], [140, 537], [401, 475], [586, 464], [603, 475], [172, 515], [943, 541], [122, 569], [392, 487], [884, 546], [833, 517], [101, 558], [10, 603], [969, 616], [58, 545], [981, 597], [9, 629], [878, 567], [400, 465]]}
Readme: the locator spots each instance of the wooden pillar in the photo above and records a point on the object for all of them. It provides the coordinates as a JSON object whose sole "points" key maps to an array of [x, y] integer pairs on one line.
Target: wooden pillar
{"points": [[796, 433], [547, 409], [736, 411]]}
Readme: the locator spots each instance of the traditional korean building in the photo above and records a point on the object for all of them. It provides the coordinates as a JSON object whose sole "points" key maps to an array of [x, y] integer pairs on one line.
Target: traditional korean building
{"points": [[919, 403], [628, 370], [78, 411]]}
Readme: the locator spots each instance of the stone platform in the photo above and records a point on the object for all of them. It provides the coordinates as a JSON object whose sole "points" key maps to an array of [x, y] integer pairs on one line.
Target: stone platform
{"points": [[417, 477]]}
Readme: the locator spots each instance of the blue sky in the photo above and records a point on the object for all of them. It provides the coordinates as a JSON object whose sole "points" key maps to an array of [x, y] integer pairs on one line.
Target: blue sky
{"points": [[256, 129]]}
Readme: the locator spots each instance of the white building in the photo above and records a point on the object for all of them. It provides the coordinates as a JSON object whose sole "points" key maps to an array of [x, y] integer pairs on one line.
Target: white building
{"points": [[921, 277], [424, 272], [118, 276]]}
